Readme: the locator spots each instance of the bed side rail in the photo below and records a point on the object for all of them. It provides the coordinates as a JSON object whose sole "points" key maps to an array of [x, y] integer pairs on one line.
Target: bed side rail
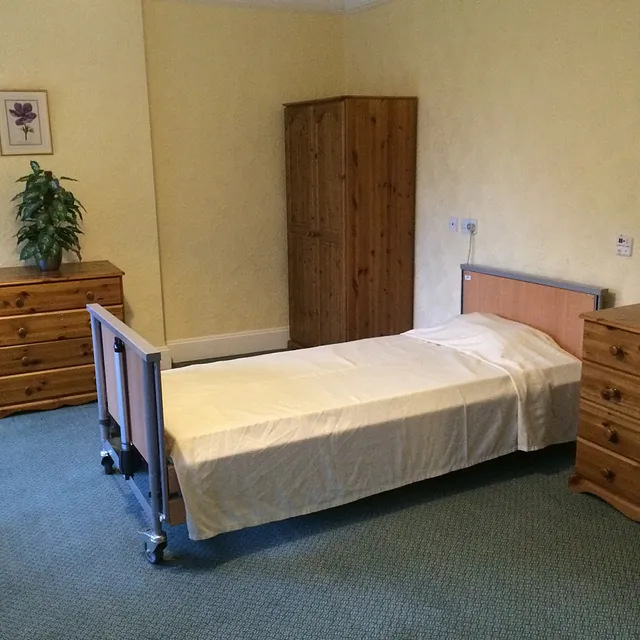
{"points": [[130, 391]]}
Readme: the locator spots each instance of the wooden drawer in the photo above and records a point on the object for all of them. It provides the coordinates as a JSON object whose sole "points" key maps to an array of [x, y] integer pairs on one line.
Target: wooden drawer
{"points": [[609, 388], [608, 470], [610, 430], [45, 355], [57, 296], [44, 327], [612, 347], [31, 387]]}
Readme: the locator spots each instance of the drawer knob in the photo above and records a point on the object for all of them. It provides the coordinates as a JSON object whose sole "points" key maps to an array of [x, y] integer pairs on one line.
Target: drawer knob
{"points": [[608, 474], [611, 433], [25, 361], [22, 332], [616, 351], [19, 303], [91, 296], [610, 393], [28, 390]]}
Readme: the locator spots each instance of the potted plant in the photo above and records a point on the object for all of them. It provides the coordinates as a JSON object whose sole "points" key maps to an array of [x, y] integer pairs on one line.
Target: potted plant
{"points": [[49, 218]]}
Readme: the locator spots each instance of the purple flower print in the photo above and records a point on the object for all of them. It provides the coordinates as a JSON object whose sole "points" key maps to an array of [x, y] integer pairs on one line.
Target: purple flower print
{"points": [[23, 112], [24, 115]]}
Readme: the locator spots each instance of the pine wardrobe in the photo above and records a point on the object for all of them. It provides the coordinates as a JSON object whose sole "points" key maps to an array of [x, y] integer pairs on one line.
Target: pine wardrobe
{"points": [[351, 174]]}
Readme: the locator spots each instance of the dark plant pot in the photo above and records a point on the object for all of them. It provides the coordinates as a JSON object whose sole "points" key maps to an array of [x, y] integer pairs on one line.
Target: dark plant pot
{"points": [[50, 263]]}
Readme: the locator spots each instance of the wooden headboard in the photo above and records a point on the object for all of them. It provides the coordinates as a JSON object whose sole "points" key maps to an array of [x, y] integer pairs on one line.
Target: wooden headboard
{"points": [[552, 306]]}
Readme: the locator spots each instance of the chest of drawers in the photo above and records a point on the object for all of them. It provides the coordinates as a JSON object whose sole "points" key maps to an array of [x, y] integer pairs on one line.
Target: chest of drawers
{"points": [[608, 448], [46, 355]]}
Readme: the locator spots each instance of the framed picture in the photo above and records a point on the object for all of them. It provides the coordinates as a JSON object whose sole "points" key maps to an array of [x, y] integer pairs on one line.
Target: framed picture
{"points": [[24, 123]]}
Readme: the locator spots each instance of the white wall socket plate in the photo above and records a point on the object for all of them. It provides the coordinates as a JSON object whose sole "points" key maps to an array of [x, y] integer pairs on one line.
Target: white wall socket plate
{"points": [[453, 224], [468, 225], [624, 246]]}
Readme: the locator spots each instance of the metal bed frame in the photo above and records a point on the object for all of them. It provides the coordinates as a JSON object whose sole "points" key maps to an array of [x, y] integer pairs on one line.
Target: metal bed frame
{"points": [[139, 429], [129, 388]]}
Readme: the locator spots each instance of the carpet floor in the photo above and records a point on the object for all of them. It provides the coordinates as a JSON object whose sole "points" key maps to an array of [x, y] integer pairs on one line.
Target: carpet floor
{"points": [[501, 550]]}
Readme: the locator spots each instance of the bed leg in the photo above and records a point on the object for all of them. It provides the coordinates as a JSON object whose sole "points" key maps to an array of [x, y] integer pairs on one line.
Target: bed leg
{"points": [[107, 462], [101, 387], [155, 540], [154, 545]]}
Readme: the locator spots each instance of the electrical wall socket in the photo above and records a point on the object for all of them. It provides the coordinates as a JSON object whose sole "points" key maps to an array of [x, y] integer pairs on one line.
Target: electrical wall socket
{"points": [[469, 226], [624, 245], [453, 225]]}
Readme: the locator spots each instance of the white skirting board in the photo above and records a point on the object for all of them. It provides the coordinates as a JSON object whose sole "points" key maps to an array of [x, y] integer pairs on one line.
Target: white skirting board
{"points": [[228, 344]]}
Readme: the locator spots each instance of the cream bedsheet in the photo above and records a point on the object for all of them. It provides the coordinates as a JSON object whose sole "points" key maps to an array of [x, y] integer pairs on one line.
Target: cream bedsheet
{"points": [[270, 437]]}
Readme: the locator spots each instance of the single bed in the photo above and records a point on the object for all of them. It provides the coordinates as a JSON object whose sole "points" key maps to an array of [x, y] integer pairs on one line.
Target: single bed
{"points": [[239, 443]]}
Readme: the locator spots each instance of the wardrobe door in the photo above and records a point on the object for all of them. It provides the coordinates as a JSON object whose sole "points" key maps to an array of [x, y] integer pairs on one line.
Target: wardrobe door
{"points": [[302, 226], [331, 298], [403, 118], [303, 290], [380, 209], [328, 120], [300, 168]]}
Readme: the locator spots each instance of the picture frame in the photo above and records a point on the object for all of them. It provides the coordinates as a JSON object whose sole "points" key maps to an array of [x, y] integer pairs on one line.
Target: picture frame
{"points": [[25, 127]]}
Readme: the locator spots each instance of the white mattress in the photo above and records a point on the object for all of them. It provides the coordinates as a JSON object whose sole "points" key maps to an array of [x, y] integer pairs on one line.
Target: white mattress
{"points": [[275, 436]]}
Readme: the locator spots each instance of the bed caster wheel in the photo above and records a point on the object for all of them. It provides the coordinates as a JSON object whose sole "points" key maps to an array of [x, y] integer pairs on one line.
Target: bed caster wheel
{"points": [[107, 464], [155, 556]]}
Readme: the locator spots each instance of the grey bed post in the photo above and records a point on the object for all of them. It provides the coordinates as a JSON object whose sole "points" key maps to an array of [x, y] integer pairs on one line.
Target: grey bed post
{"points": [[162, 454], [101, 387], [155, 539], [126, 461]]}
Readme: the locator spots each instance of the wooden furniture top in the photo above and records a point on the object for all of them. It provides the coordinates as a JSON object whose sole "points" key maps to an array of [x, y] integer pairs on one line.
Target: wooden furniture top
{"points": [[68, 271], [348, 97], [627, 318]]}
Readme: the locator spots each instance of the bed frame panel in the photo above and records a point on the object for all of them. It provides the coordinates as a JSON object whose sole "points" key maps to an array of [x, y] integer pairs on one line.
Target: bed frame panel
{"points": [[130, 390], [552, 306], [137, 410], [130, 399]]}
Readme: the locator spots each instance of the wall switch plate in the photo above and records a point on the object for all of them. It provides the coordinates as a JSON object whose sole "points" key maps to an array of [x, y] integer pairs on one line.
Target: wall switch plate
{"points": [[469, 226], [624, 246], [453, 225]]}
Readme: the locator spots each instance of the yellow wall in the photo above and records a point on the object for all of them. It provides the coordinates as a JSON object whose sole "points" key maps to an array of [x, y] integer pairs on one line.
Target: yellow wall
{"points": [[529, 121], [89, 55], [218, 76]]}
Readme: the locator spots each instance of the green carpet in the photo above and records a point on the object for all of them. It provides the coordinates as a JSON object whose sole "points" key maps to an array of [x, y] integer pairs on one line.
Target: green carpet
{"points": [[502, 550]]}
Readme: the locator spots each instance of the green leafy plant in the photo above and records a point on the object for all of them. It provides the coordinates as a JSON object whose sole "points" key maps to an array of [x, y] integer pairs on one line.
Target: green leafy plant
{"points": [[49, 217]]}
